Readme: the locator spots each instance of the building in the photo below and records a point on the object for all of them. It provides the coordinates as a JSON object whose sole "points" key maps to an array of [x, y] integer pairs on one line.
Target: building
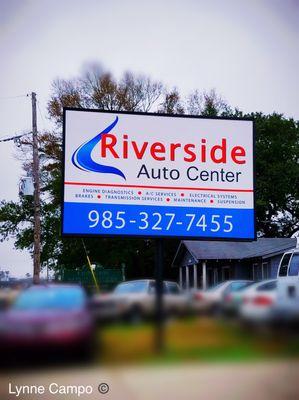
{"points": [[203, 264]]}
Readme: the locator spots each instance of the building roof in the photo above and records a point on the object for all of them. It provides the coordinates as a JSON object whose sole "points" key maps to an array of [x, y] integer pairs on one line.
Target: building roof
{"points": [[214, 250]]}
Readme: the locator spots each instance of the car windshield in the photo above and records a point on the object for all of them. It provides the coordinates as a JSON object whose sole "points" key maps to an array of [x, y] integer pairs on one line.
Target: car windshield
{"points": [[216, 287], [131, 287], [50, 299], [270, 285], [241, 286]]}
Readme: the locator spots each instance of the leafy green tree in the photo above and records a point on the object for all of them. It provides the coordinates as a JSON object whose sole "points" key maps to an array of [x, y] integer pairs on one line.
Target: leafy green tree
{"points": [[277, 175]]}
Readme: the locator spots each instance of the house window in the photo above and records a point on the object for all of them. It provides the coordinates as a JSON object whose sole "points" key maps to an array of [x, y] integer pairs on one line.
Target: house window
{"points": [[210, 277], [255, 272], [266, 270]]}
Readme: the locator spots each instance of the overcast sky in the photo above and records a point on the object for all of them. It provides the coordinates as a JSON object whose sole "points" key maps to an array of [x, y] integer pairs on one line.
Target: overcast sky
{"points": [[247, 50]]}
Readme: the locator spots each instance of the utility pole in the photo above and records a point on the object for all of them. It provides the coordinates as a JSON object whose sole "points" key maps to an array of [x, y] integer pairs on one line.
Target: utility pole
{"points": [[37, 229]]}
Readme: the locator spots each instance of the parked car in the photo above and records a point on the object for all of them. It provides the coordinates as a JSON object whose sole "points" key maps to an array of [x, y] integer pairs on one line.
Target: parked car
{"points": [[211, 300], [47, 315], [286, 308], [134, 300], [258, 301]]}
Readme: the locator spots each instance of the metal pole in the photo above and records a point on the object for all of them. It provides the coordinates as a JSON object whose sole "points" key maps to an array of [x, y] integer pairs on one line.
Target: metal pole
{"points": [[159, 342], [37, 226], [204, 275]]}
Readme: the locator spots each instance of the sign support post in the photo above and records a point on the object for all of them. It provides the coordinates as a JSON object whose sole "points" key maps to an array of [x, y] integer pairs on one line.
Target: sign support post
{"points": [[159, 311]]}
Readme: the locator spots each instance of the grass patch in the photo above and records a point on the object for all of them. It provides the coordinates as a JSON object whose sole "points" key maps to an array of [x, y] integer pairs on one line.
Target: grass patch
{"points": [[192, 339]]}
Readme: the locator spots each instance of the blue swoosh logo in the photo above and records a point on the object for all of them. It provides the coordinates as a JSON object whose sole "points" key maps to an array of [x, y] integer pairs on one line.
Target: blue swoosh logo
{"points": [[82, 156]]}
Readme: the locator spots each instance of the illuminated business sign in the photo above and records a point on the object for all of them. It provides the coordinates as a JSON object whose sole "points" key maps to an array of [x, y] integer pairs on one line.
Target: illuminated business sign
{"points": [[151, 175]]}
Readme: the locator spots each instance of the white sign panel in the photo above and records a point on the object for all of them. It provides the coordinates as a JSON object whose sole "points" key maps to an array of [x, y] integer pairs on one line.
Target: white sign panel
{"points": [[150, 175]]}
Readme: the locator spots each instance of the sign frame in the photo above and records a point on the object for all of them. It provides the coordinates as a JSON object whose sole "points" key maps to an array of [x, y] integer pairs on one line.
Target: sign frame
{"points": [[129, 236]]}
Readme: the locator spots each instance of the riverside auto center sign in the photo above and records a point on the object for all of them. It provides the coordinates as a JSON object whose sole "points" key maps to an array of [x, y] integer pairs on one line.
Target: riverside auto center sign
{"points": [[151, 175]]}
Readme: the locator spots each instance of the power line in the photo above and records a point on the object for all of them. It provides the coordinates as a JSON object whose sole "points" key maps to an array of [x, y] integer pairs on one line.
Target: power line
{"points": [[14, 138]]}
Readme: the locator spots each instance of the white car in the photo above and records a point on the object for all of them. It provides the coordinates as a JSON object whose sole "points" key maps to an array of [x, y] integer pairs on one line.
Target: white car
{"points": [[258, 301], [286, 310], [136, 299], [211, 300]]}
